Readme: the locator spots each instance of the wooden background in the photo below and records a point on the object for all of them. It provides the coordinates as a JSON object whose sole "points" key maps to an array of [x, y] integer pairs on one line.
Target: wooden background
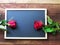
{"points": [[53, 12]]}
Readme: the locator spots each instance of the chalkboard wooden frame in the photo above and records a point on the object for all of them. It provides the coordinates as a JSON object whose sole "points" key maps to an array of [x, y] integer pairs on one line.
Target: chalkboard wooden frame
{"points": [[5, 37]]}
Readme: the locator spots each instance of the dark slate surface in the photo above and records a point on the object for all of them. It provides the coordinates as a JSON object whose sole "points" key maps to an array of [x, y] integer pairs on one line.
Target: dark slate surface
{"points": [[25, 21]]}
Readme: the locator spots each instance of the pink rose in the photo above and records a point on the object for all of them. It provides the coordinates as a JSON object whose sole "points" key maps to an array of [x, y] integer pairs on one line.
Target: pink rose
{"points": [[12, 23]]}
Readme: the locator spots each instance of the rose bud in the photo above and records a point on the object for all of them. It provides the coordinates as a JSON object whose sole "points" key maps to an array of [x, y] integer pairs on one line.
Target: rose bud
{"points": [[12, 24], [38, 25]]}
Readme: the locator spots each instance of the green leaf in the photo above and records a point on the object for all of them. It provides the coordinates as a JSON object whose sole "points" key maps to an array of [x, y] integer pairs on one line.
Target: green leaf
{"points": [[48, 29], [2, 27], [49, 20], [53, 27], [0, 22], [3, 22], [57, 25]]}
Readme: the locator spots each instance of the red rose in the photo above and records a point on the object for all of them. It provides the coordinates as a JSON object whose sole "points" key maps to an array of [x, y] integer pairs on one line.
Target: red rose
{"points": [[38, 25], [12, 23]]}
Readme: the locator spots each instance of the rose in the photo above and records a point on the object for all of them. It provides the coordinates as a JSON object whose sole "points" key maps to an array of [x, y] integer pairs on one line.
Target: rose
{"points": [[12, 23], [38, 25]]}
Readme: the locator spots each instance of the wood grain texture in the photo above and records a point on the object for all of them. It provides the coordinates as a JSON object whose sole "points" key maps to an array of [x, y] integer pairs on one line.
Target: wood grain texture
{"points": [[53, 12]]}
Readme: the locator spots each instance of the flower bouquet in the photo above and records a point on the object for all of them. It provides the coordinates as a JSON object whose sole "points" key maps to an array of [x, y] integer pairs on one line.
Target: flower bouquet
{"points": [[11, 24], [51, 27]]}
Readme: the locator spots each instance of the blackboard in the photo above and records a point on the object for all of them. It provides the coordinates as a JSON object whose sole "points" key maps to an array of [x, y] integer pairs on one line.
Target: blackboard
{"points": [[25, 18]]}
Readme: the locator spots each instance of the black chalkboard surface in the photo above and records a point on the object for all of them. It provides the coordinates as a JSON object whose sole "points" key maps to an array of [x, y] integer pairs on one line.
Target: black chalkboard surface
{"points": [[25, 18]]}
